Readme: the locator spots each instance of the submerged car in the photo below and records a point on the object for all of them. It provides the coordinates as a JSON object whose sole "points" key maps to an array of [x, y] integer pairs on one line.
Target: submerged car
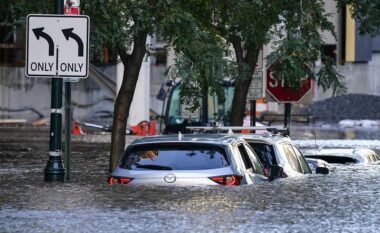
{"points": [[274, 149], [343, 156], [192, 159], [316, 165], [279, 150]]}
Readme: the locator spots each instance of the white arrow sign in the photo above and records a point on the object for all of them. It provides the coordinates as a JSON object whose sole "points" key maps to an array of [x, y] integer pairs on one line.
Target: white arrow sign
{"points": [[57, 45]]}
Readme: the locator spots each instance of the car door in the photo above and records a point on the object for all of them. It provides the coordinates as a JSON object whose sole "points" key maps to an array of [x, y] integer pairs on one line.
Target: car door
{"points": [[253, 170], [257, 166]]}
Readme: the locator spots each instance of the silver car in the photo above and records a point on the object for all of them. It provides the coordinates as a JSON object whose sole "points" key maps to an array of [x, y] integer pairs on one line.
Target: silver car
{"points": [[344, 155], [194, 159]]}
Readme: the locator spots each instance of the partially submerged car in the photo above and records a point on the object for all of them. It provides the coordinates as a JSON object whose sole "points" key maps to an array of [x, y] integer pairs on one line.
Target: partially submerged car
{"points": [[316, 165], [274, 149], [279, 150], [191, 159], [344, 156]]}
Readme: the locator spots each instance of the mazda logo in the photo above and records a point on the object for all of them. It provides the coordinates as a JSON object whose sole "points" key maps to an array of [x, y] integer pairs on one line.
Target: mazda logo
{"points": [[169, 178]]}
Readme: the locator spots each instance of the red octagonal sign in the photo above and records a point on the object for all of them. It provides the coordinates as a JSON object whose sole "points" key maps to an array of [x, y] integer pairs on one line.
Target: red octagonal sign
{"points": [[286, 95]]}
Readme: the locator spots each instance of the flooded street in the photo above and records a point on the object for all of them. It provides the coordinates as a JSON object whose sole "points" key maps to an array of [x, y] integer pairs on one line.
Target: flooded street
{"points": [[347, 200]]}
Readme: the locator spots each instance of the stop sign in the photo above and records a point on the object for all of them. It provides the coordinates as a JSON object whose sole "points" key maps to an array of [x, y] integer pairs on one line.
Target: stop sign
{"points": [[286, 95]]}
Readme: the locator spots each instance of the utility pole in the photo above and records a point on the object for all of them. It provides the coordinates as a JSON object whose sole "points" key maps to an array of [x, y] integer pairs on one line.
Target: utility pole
{"points": [[54, 170]]}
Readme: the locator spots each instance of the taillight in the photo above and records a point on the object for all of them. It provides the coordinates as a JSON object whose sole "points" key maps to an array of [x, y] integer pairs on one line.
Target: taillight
{"points": [[231, 180], [118, 180]]}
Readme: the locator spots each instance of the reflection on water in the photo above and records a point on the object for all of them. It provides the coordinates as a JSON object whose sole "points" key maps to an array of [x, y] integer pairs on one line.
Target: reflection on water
{"points": [[344, 201]]}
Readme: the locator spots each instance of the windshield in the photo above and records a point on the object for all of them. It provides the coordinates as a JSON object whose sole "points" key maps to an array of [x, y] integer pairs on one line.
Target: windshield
{"points": [[217, 110], [174, 157]]}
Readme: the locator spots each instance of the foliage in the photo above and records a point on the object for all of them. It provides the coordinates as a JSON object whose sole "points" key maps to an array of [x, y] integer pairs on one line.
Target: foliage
{"points": [[367, 12], [13, 13], [298, 43]]}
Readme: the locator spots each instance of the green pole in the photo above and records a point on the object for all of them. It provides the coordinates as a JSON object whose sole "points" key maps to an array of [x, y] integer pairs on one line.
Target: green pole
{"points": [[54, 170], [68, 129]]}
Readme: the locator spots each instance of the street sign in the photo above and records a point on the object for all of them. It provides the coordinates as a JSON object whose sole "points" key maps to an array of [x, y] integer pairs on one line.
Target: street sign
{"points": [[57, 45], [256, 88], [71, 10], [286, 95]]}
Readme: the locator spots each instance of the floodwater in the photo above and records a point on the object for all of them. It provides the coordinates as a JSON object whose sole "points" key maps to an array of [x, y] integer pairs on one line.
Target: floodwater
{"points": [[347, 200]]}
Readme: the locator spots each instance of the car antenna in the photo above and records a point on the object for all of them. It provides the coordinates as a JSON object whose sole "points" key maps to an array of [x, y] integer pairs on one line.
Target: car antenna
{"points": [[315, 146]]}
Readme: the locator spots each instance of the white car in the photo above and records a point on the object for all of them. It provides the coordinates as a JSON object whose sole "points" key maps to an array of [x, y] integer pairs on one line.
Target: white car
{"points": [[273, 148], [358, 155], [316, 164], [279, 150]]}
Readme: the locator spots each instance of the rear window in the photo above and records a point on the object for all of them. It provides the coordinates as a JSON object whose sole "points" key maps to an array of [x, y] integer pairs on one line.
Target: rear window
{"points": [[174, 157], [334, 159]]}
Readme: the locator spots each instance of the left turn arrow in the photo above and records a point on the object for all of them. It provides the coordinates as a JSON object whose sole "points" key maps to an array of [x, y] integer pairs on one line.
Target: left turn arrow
{"points": [[38, 32], [68, 32]]}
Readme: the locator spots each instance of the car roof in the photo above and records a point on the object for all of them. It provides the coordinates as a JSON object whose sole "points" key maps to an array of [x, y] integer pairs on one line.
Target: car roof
{"points": [[353, 153], [215, 139], [269, 138]]}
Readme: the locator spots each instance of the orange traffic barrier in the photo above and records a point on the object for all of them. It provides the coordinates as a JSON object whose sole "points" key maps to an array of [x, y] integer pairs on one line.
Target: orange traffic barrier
{"points": [[152, 127], [145, 128], [77, 130]]}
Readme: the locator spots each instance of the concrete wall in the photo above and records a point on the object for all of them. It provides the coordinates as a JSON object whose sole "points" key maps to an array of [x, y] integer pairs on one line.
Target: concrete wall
{"points": [[360, 78], [18, 91]]}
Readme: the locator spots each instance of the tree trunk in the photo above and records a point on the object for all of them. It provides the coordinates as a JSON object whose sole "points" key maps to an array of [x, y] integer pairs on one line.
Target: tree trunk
{"points": [[242, 85], [132, 64]]}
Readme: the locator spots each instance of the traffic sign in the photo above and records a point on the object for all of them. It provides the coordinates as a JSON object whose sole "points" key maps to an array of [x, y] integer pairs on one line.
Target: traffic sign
{"points": [[57, 45], [286, 95]]}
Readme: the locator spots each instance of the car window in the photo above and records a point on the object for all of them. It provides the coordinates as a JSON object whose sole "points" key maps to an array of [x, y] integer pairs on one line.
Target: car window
{"points": [[290, 154], [305, 167], [174, 157], [244, 155], [265, 153], [255, 160]]}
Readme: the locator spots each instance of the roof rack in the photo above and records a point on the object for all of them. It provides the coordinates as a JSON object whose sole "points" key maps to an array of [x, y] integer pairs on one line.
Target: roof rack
{"points": [[274, 130]]}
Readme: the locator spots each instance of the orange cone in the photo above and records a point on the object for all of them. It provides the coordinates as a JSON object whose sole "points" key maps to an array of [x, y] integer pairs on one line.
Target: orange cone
{"points": [[77, 130]]}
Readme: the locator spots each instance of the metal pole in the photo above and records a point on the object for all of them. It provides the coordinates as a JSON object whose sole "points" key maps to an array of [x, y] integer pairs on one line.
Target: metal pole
{"points": [[288, 110], [253, 114], [54, 170], [68, 129]]}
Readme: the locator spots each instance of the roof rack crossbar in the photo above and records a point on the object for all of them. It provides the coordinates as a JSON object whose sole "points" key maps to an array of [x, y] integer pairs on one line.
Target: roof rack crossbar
{"points": [[274, 130]]}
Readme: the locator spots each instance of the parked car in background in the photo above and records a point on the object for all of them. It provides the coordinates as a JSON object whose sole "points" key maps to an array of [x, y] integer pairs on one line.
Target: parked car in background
{"points": [[191, 159], [344, 156], [316, 165]]}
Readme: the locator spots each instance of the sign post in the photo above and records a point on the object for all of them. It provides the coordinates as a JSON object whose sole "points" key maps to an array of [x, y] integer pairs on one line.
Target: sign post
{"points": [[256, 88], [54, 170], [71, 8], [57, 47]]}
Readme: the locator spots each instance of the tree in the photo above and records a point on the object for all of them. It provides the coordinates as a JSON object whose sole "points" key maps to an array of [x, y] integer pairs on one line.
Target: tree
{"points": [[294, 28], [124, 26]]}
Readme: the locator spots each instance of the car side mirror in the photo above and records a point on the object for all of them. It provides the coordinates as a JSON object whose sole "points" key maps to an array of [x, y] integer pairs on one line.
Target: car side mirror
{"points": [[275, 172], [322, 170]]}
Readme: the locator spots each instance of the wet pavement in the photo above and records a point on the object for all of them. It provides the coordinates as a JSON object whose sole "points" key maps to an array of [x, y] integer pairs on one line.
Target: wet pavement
{"points": [[347, 200]]}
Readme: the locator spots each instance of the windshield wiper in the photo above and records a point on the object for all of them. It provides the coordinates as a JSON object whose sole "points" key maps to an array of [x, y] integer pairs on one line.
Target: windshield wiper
{"points": [[153, 167]]}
